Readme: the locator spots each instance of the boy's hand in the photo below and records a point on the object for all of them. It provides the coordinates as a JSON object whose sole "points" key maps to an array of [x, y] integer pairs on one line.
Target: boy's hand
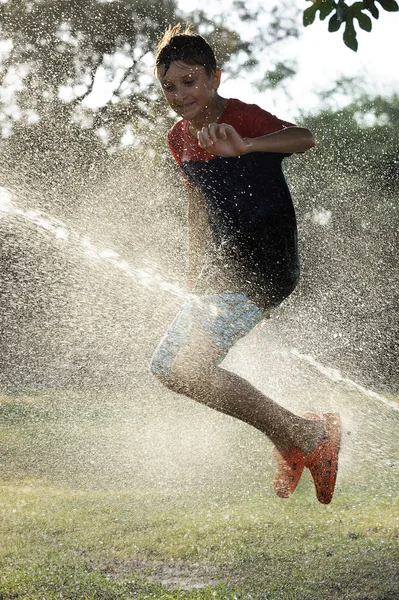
{"points": [[223, 140]]}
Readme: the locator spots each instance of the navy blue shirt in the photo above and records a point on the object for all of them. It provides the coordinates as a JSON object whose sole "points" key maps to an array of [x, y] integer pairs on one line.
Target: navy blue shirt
{"points": [[249, 206]]}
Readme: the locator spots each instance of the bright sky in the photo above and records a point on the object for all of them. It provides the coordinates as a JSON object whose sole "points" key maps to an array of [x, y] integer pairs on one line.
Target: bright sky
{"points": [[322, 59]]}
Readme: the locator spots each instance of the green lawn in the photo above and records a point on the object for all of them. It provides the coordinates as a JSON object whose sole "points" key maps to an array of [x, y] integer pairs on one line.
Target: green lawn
{"points": [[111, 496]]}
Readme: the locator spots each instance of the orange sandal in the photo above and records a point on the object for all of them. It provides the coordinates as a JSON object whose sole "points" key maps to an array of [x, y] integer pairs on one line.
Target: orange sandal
{"points": [[290, 466], [323, 460]]}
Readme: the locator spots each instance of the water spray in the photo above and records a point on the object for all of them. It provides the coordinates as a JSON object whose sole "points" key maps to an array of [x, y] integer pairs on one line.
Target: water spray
{"points": [[336, 376], [145, 277], [149, 278]]}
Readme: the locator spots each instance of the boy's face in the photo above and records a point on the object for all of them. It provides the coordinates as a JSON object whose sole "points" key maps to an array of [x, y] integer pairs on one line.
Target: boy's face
{"points": [[188, 89]]}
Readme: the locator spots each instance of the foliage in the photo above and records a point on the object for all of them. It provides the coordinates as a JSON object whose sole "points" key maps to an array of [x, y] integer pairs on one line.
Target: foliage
{"points": [[347, 13], [362, 137], [59, 51], [275, 77]]}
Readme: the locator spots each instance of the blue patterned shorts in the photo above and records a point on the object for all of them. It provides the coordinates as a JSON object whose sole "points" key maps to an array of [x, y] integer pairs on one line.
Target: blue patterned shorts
{"points": [[224, 318]]}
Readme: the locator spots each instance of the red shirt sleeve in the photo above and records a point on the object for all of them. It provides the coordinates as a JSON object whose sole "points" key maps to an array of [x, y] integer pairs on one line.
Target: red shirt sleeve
{"points": [[262, 122], [248, 119], [252, 121]]}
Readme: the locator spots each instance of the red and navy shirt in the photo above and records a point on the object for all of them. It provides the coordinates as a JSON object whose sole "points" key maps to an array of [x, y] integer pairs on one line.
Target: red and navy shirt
{"points": [[246, 197], [239, 190]]}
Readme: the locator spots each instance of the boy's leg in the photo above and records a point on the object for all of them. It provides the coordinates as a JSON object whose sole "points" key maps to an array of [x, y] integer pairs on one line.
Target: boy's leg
{"points": [[193, 371], [196, 375], [187, 362]]}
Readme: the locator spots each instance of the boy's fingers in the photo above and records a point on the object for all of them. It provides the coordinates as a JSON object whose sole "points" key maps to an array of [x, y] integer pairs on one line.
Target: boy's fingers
{"points": [[210, 134], [219, 131], [230, 131], [214, 131], [204, 137]]}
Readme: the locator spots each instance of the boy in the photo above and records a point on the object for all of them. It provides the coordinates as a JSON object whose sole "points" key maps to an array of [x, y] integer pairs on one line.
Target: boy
{"points": [[230, 154]]}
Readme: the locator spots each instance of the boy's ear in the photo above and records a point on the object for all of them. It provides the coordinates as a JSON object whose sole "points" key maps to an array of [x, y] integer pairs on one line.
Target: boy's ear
{"points": [[216, 78]]}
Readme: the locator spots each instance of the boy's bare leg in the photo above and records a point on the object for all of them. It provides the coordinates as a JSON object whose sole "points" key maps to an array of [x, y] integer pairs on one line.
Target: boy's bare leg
{"points": [[196, 374]]}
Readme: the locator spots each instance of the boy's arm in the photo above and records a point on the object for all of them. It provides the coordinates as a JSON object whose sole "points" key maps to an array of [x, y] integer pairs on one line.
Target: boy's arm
{"points": [[288, 140], [198, 233], [223, 140]]}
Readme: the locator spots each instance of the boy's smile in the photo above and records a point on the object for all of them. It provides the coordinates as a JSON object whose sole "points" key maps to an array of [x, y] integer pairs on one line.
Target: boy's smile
{"points": [[191, 93]]}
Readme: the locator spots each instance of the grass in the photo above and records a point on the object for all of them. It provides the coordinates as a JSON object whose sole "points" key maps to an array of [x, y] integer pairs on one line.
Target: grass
{"points": [[108, 499]]}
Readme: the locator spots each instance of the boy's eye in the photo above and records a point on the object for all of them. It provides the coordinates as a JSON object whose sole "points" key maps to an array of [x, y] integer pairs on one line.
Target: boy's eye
{"points": [[189, 82]]}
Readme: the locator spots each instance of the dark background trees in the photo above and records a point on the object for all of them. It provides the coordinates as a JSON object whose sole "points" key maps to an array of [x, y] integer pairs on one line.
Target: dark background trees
{"points": [[346, 192]]}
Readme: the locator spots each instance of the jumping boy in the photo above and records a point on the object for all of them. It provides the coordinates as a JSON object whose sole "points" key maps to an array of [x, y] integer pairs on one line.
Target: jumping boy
{"points": [[243, 258]]}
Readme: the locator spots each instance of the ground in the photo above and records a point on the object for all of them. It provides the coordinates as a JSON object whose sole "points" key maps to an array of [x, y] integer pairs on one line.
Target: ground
{"points": [[137, 493]]}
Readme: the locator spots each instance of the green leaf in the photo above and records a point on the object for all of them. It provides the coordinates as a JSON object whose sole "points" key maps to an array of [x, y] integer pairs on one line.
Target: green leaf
{"points": [[309, 15], [334, 23], [350, 36], [374, 11], [326, 8], [358, 6], [364, 21], [389, 5], [341, 11]]}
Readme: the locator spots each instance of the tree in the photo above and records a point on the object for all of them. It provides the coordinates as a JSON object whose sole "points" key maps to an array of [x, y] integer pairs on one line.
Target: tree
{"points": [[347, 13], [59, 48], [59, 51], [59, 129]]}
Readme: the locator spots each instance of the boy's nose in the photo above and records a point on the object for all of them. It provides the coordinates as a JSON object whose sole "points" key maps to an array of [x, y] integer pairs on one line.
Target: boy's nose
{"points": [[181, 94]]}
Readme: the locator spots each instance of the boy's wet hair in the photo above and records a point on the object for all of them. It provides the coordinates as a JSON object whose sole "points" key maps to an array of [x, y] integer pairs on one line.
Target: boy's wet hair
{"points": [[184, 44]]}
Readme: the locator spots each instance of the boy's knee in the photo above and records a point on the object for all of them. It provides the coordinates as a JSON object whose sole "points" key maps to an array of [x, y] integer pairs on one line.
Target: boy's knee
{"points": [[176, 380], [165, 370], [180, 376], [166, 380], [159, 369]]}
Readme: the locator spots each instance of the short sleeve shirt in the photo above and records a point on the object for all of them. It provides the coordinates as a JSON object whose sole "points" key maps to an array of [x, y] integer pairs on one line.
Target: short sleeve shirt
{"points": [[248, 202], [240, 190]]}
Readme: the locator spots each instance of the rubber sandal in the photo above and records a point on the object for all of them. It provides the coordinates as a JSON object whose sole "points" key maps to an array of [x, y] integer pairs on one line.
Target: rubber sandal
{"points": [[323, 460], [290, 466]]}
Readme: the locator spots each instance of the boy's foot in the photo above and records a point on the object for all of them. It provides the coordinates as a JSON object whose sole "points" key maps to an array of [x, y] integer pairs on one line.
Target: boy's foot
{"points": [[323, 460], [290, 466]]}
